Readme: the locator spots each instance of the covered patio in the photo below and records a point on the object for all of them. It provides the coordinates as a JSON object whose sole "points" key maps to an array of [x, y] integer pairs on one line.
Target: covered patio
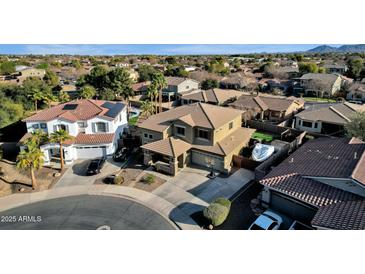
{"points": [[167, 155]]}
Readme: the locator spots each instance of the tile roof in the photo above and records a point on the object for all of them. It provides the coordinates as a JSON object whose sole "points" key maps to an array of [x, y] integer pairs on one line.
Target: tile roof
{"points": [[100, 138], [171, 146], [334, 113], [79, 110], [175, 81], [323, 157], [325, 77], [344, 216], [198, 114]]}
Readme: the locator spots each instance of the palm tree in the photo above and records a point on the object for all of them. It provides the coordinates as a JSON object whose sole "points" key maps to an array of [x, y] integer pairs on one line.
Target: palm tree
{"points": [[30, 159], [60, 137], [152, 92], [36, 139], [36, 95], [147, 108], [49, 98], [159, 81]]}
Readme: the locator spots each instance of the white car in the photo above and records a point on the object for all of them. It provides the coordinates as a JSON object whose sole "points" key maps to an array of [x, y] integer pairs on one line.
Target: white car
{"points": [[267, 221]]}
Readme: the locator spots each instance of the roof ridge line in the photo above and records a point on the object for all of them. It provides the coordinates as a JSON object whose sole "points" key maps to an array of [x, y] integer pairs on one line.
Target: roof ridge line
{"points": [[172, 147], [339, 113], [206, 115]]}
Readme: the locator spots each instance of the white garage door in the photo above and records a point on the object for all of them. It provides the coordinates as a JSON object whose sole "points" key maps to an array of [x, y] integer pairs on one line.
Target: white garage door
{"points": [[90, 152], [200, 158]]}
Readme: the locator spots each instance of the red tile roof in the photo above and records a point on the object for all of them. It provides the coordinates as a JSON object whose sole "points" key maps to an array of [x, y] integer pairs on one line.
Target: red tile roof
{"points": [[100, 138]]}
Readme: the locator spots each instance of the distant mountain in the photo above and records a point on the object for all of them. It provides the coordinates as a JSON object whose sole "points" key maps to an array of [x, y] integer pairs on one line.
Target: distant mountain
{"points": [[344, 48]]}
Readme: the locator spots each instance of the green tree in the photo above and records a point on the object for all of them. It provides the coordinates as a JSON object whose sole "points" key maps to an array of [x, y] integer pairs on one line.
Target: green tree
{"points": [[159, 82], [87, 92], [209, 84], [36, 139], [63, 96], [42, 66], [152, 93], [51, 79], [145, 72], [147, 108], [76, 64], [36, 95], [356, 65], [31, 158], [60, 137], [106, 94], [121, 83], [7, 68], [308, 67], [356, 128]]}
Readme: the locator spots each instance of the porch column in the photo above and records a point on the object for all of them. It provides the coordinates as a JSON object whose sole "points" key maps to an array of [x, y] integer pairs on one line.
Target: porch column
{"points": [[174, 165], [147, 157]]}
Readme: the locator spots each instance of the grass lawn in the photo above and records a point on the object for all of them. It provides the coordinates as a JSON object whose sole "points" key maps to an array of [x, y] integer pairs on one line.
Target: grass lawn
{"points": [[262, 136], [315, 99], [133, 121]]}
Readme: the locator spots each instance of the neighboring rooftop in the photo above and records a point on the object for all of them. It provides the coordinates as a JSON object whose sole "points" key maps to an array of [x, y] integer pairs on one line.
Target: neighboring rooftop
{"points": [[213, 96], [175, 81], [171, 146], [335, 113], [79, 110]]}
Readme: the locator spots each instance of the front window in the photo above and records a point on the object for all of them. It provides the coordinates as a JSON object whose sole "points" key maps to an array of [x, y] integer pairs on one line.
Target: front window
{"points": [[180, 131], [203, 134], [307, 124], [35, 126], [43, 125], [100, 127], [230, 125], [82, 124], [61, 127]]}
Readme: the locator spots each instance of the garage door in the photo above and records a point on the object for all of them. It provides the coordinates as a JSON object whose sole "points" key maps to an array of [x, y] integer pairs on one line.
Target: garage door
{"points": [[90, 152], [201, 158]]}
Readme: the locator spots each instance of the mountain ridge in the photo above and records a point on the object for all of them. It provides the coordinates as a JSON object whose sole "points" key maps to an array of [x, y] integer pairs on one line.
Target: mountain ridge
{"points": [[341, 49]]}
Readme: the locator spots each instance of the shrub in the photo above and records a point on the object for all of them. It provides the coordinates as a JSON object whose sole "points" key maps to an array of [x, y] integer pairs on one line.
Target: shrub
{"points": [[216, 213], [149, 179], [224, 202], [118, 180]]}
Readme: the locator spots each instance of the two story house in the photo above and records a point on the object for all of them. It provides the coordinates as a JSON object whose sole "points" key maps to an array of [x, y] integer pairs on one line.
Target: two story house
{"points": [[177, 86], [95, 125], [215, 96], [198, 133], [319, 84]]}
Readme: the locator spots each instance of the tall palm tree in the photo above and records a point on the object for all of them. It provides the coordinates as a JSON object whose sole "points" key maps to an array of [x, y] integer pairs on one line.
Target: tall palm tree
{"points": [[30, 159], [36, 95], [60, 137], [159, 81], [36, 139], [152, 92]]}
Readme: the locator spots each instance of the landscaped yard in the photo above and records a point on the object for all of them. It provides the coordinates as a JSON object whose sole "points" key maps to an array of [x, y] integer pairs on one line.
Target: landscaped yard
{"points": [[315, 99], [262, 136]]}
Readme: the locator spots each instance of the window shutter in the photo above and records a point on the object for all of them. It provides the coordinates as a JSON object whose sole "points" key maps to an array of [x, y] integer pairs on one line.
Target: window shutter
{"points": [[54, 128], [93, 126], [107, 127], [67, 128]]}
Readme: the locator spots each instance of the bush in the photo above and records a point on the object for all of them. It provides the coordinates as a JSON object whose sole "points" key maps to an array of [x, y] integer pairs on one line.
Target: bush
{"points": [[118, 180], [149, 179], [224, 202], [216, 213]]}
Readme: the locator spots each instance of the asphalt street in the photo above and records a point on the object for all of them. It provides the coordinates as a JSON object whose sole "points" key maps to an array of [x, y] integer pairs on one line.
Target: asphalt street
{"points": [[87, 212]]}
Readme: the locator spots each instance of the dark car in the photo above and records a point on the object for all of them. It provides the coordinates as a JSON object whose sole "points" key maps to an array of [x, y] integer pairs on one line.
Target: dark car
{"points": [[122, 154], [95, 166]]}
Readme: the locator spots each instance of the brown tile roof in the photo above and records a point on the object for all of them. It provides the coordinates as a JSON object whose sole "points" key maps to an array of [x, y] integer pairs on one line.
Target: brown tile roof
{"points": [[171, 146], [215, 96], [335, 113], [323, 157], [344, 216], [142, 86], [100, 138], [198, 114], [175, 81], [79, 110]]}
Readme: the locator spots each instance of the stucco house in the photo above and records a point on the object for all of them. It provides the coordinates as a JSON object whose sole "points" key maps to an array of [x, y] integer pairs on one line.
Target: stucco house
{"points": [[321, 184], [271, 108], [327, 118], [198, 133], [95, 125], [335, 68], [318, 84], [356, 92], [177, 86]]}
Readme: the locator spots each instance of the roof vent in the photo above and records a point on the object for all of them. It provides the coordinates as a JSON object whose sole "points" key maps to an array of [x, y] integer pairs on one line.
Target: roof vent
{"points": [[355, 155], [291, 160]]}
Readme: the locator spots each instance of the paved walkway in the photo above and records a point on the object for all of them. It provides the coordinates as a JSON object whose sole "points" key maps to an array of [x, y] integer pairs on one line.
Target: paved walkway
{"points": [[191, 190], [150, 200]]}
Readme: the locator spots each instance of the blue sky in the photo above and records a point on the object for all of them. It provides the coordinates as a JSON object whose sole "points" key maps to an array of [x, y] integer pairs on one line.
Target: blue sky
{"points": [[163, 49]]}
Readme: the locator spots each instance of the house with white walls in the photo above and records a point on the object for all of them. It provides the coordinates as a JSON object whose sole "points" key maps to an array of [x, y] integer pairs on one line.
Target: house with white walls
{"points": [[95, 126]]}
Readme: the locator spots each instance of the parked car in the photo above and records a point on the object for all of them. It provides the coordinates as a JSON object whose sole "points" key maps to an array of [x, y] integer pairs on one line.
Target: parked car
{"points": [[267, 221], [121, 155], [109, 179], [95, 166]]}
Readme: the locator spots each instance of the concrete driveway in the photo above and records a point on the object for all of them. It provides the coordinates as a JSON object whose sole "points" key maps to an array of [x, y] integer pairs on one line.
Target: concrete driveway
{"points": [[76, 173], [191, 190]]}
